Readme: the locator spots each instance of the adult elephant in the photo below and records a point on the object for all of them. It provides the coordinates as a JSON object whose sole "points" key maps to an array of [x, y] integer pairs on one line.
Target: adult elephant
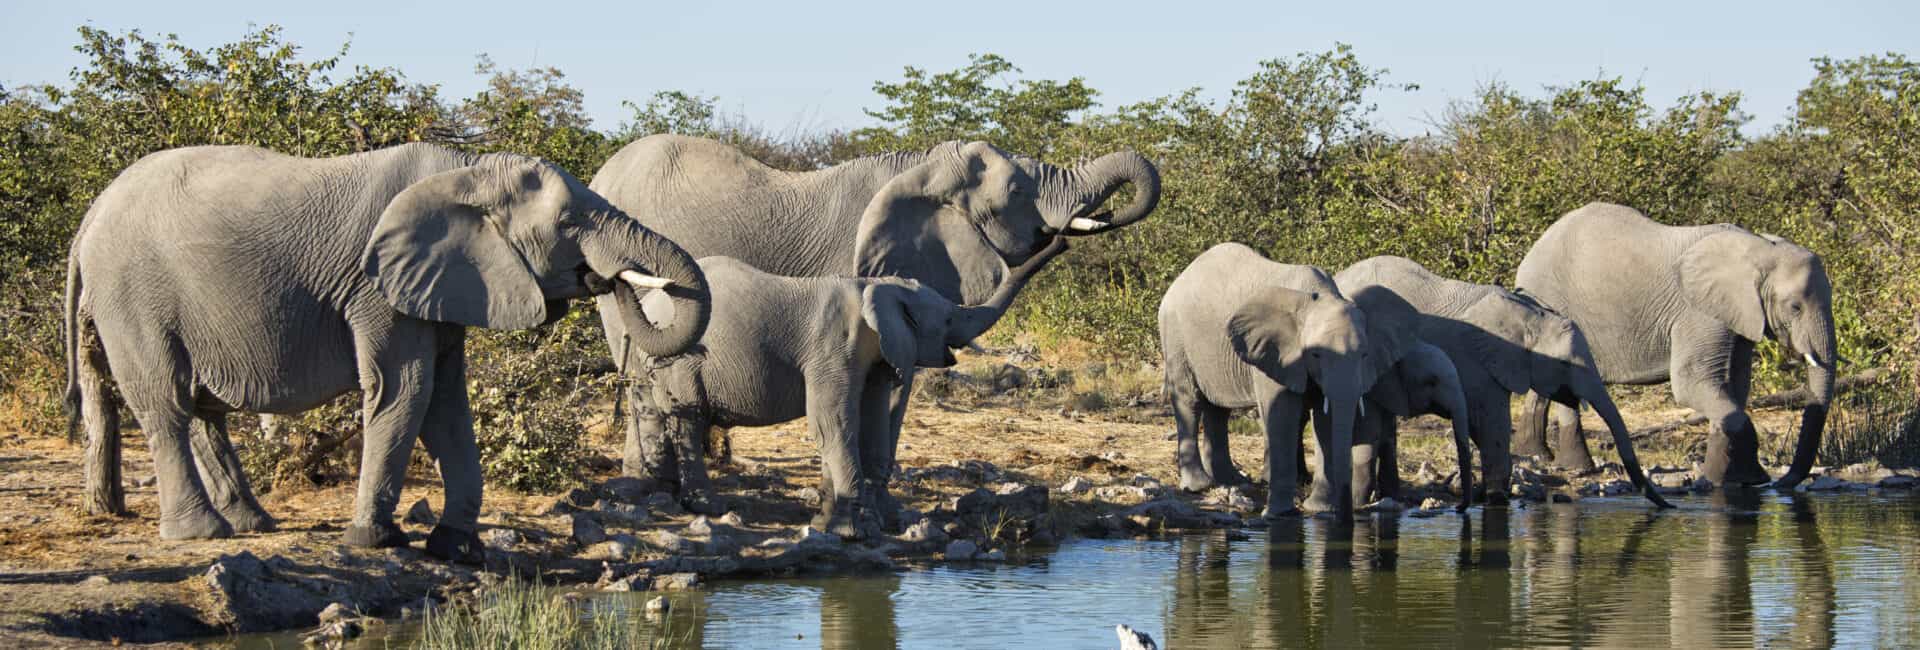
{"points": [[1240, 330], [1501, 344], [1686, 304], [214, 279], [956, 218]]}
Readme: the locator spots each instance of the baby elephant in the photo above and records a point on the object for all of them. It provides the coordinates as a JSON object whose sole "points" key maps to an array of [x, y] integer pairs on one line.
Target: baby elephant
{"points": [[826, 348]]}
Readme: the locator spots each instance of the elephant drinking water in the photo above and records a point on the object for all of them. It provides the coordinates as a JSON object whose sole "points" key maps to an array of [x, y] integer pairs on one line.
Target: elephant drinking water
{"points": [[215, 279]]}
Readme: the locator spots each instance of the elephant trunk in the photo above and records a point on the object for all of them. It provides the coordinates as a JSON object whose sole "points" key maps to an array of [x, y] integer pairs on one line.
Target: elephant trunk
{"points": [[1813, 417], [638, 259], [1462, 446], [1090, 185], [972, 321], [1338, 462], [1594, 393]]}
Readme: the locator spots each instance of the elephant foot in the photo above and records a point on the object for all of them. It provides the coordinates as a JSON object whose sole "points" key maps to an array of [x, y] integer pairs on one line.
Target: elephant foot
{"points": [[197, 525], [249, 518], [379, 535], [1747, 473], [1229, 475], [456, 545], [1194, 479], [1531, 446], [1318, 501], [888, 510], [1271, 512], [1581, 462]]}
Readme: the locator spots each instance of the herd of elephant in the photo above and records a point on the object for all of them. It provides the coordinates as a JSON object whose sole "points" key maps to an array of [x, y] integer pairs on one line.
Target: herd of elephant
{"points": [[206, 280]]}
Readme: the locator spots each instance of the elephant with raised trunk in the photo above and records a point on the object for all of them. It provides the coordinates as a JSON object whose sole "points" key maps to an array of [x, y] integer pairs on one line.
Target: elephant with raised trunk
{"points": [[1685, 305], [1240, 330], [1501, 343], [957, 218], [215, 279], [761, 367]]}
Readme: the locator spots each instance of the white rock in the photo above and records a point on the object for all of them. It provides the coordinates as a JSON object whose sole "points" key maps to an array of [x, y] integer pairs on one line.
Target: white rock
{"points": [[1076, 485], [1131, 639], [995, 555]]}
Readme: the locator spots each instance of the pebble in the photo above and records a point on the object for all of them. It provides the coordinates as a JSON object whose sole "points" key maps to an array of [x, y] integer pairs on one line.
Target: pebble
{"points": [[995, 555], [657, 606], [676, 582], [421, 513], [1076, 485], [587, 531]]}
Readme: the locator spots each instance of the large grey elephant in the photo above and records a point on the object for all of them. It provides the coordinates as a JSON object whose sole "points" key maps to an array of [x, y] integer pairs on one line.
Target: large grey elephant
{"points": [[1501, 344], [761, 366], [214, 279], [1686, 304], [956, 218], [1239, 330]]}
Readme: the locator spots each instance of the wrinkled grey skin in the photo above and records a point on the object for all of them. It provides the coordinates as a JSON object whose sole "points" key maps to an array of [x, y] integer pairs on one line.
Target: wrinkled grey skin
{"points": [[1424, 382], [955, 218], [762, 366], [1686, 305], [215, 279], [1501, 344], [1239, 330]]}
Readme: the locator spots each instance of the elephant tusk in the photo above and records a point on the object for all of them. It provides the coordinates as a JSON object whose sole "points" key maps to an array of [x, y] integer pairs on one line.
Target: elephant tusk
{"points": [[1084, 224], [643, 281], [1363, 408], [1326, 404], [1810, 360]]}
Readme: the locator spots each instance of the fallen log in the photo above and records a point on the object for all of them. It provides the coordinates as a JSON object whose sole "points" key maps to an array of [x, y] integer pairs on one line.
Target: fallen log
{"points": [[1794, 398]]}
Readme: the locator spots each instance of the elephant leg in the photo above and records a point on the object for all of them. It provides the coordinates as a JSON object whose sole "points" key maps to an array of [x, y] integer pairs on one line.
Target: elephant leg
{"points": [[397, 382], [447, 433], [220, 471], [1568, 440], [881, 473], [1530, 438], [186, 512], [1321, 498], [1215, 455], [1186, 451], [1366, 448], [100, 412], [1387, 455], [688, 433], [1280, 415], [1493, 433], [876, 439], [1703, 382], [647, 454], [833, 415]]}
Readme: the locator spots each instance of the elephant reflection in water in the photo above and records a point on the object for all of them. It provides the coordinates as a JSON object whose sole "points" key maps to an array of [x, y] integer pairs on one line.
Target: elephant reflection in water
{"points": [[857, 612], [1483, 591], [1813, 587], [1711, 595], [1203, 612]]}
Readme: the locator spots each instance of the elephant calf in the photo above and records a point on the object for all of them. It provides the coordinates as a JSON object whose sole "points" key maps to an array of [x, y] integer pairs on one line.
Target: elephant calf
{"points": [[779, 348], [1239, 330]]}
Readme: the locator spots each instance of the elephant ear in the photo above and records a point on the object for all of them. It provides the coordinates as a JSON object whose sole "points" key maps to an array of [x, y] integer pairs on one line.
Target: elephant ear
{"points": [[1720, 275], [1265, 332], [1391, 326], [1497, 334], [440, 253], [884, 308], [918, 226], [1390, 392]]}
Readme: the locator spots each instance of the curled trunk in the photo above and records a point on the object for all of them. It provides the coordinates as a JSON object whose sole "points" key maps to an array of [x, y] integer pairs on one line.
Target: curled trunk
{"points": [[620, 244], [1092, 183]]}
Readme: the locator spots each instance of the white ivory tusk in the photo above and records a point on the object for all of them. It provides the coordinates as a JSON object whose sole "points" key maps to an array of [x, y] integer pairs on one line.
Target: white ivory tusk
{"points": [[1326, 404], [1810, 360], [1084, 224], [643, 281], [1363, 408]]}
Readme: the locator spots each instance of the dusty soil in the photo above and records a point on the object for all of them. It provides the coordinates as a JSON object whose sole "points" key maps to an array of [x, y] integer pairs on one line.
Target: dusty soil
{"points": [[67, 578]]}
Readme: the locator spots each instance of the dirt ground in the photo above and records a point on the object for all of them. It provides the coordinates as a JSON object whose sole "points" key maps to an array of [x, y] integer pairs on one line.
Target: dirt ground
{"points": [[67, 578]]}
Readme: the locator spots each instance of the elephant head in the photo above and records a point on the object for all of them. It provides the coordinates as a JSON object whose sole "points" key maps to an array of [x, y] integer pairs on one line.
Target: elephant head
{"points": [[503, 242], [958, 220], [1524, 346], [1316, 341], [1764, 287]]}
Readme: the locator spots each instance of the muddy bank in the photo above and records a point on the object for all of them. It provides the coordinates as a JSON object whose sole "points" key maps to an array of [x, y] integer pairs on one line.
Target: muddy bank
{"points": [[997, 461]]}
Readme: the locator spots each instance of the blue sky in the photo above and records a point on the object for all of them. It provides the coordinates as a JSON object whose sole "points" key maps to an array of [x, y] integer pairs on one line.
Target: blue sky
{"points": [[812, 65]]}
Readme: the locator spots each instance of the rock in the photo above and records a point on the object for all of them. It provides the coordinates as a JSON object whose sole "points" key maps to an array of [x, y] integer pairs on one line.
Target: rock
{"points": [[1143, 481], [1821, 483], [96, 581], [657, 606], [1076, 485], [247, 594], [995, 555], [421, 513], [1384, 505], [1433, 504], [334, 612], [670, 542], [1671, 480], [625, 515], [676, 582], [809, 496], [700, 527], [587, 531], [961, 550], [1899, 482], [626, 489], [810, 536], [731, 519], [922, 532], [146, 481], [1120, 493], [1175, 513], [333, 634], [664, 504], [1134, 640], [1022, 502], [1560, 497], [500, 538]]}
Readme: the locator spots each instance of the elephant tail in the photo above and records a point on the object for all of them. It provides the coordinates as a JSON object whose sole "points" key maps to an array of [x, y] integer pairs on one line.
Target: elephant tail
{"points": [[70, 328]]}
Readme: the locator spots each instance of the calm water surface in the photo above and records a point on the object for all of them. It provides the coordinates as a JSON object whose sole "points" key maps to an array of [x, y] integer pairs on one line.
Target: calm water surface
{"points": [[1754, 569]]}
